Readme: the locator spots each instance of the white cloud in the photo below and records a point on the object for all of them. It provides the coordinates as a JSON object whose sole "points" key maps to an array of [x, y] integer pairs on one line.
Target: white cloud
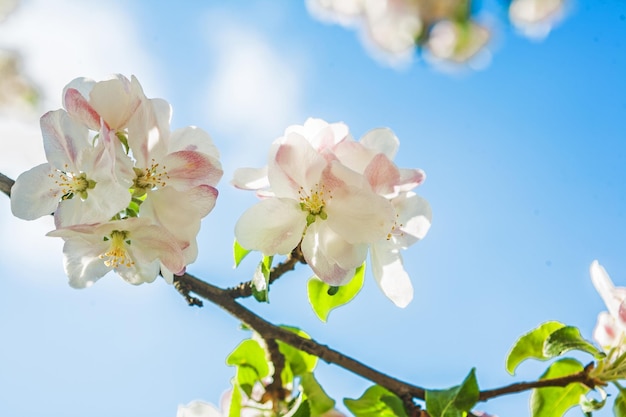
{"points": [[254, 93]]}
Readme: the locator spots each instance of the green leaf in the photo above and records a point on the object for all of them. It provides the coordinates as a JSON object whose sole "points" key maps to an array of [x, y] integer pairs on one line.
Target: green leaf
{"points": [[324, 298], [456, 401], [250, 356], [619, 406], [376, 401], [303, 410], [319, 402], [234, 408], [261, 280], [555, 401], [298, 362], [530, 345], [568, 338], [239, 252]]}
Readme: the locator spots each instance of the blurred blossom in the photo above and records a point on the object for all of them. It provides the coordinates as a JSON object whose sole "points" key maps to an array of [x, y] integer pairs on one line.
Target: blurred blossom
{"points": [[17, 92], [198, 409], [535, 18], [456, 42], [6, 8]]}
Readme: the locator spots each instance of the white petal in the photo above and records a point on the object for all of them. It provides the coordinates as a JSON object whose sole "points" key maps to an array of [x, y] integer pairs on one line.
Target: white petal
{"points": [[198, 409], [35, 193], [81, 262], [332, 258], [612, 296], [64, 139], [414, 218], [607, 333], [390, 274], [192, 138], [272, 226], [296, 164], [250, 178], [382, 140]]}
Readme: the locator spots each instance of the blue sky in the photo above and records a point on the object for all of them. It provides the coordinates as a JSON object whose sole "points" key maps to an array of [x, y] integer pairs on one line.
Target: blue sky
{"points": [[526, 175]]}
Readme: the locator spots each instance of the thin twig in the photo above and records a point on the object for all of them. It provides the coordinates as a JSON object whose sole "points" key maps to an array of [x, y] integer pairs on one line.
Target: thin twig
{"points": [[5, 184], [289, 264], [269, 331]]}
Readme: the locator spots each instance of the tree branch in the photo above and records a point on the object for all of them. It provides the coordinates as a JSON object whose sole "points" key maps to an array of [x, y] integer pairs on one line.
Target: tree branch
{"points": [[267, 330], [5, 184]]}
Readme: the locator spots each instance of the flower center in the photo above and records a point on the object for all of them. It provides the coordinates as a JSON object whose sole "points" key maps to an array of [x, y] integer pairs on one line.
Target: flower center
{"points": [[117, 255], [150, 178], [314, 202], [72, 184]]}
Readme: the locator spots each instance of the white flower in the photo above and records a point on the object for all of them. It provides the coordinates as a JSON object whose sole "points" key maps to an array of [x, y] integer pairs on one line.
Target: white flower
{"points": [[322, 203], [134, 248], [81, 183], [536, 18], [611, 327]]}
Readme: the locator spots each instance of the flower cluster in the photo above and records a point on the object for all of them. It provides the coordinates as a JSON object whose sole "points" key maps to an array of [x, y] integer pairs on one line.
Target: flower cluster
{"points": [[127, 193], [338, 199], [395, 27]]}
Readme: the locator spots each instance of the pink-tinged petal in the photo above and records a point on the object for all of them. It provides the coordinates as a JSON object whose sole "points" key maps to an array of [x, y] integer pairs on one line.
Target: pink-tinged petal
{"points": [[332, 258], [250, 178], [381, 140], [607, 333], [272, 226], [116, 101], [78, 106], [612, 297], [82, 85], [192, 138], [356, 213], [382, 174], [35, 194], [64, 139], [151, 243], [354, 155], [296, 164], [414, 218], [187, 169], [389, 272], [409, 179]]}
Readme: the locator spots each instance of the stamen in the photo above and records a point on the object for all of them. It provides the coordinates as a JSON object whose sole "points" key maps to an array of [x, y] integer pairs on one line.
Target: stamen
{"points": [[117, 255]]}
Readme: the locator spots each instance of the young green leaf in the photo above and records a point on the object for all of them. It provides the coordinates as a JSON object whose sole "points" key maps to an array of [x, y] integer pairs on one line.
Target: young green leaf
{"points": [[376, 401], [530, 345], [234, 407], [298, 361], [619, 406], [588, 405], [456, 401], [250, 354], [555, 401], [303, 410], [568, 338], [324, 298], [319, 402], [239, 253]]}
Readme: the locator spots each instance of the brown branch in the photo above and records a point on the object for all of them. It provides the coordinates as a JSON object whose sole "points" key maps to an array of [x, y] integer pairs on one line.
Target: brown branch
{"points": [[269, 331], [5, 184], [289, 264], [581, 377]]}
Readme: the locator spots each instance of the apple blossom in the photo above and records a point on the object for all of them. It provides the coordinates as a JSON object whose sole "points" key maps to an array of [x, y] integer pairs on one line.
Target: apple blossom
{"points": [[81, 183], [328, 208], [134, 248]]}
